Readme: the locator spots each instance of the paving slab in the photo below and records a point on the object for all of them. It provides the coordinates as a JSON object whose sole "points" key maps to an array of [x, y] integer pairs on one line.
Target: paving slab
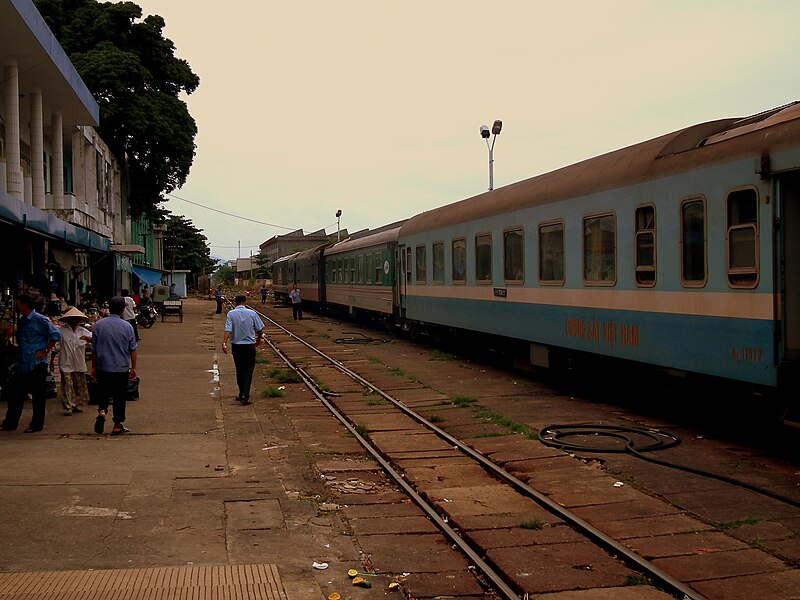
{"points": [[423, 553], [717, 565], [704, 542], [781, 584], [656, 525], [442, 585]]}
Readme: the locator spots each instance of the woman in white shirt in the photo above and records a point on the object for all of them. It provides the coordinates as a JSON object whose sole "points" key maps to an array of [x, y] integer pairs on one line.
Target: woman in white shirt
{"points": [[72, 360]]}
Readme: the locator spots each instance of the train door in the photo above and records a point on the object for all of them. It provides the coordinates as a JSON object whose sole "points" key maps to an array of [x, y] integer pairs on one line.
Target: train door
{"points": [[789, 190], [402, 268]]}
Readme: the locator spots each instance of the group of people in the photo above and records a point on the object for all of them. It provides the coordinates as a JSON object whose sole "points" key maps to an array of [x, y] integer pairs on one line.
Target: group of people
{"points": [[113, 363]]}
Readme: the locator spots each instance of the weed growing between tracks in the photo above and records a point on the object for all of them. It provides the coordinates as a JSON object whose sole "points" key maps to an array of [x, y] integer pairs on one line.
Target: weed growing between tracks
{"points": [[503, 421], [272, 392], [534, 524], [283, 376], [737, 524], [637, 579]]}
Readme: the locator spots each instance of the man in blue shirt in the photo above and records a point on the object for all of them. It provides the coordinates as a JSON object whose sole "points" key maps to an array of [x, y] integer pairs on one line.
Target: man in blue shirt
{"points": [[243, 328], [113, 363], [218, 298], [36, 337]]}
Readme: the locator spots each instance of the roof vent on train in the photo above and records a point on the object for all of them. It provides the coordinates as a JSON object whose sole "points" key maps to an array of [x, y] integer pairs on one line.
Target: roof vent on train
{"points": [[769, 118]]}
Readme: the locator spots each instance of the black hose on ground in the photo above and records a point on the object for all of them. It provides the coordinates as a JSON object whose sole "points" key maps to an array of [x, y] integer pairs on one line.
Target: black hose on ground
{"points": [[556, 437]]}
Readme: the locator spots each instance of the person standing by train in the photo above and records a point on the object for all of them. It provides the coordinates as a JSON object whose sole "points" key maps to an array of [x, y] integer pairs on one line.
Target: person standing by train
{"points": [[36, 338], [263, 293], [243, 328], [297, 303], [218, 298]]}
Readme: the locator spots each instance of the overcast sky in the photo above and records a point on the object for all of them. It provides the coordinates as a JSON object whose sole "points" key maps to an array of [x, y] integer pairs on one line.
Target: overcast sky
{"points": [[374, 107]]}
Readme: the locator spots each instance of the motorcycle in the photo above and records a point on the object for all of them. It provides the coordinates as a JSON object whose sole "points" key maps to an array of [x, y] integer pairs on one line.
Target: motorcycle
{"points": [[146, 316]]}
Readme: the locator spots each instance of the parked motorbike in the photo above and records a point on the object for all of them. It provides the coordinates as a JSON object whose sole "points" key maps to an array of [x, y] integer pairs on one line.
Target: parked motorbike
{"points": [[146, 316]]}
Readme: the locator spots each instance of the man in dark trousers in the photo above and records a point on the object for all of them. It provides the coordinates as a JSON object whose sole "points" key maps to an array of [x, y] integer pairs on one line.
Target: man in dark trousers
{"points": [[36, 338], [218, 298], [243, 328], [113, 363]]}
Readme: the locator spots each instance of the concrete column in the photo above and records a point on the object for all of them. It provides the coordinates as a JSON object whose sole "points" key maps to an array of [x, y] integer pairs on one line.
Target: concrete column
{"points": [[57, 128], [37, 150], [13, 169]]}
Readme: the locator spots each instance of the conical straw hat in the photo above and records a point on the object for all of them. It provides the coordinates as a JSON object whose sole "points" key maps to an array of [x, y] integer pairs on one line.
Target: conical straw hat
{"points": [[73, 313]]}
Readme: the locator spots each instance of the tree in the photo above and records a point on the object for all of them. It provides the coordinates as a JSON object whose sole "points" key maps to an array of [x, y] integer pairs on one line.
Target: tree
{"points": [[185, 246], [262, 271], [134, 75], [225, 274]]}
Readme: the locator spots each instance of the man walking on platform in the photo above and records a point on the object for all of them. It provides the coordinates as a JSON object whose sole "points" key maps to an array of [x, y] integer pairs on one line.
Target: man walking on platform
{"points": [[113, 363], [243, 328], [36, 336]]}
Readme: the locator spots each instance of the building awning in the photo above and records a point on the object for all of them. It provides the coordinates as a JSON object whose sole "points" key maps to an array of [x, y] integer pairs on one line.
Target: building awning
{"points": [[149, 276], [31, 218]]}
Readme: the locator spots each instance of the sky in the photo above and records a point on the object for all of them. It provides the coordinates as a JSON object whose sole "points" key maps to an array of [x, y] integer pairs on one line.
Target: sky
{"points": [[374, 107]]}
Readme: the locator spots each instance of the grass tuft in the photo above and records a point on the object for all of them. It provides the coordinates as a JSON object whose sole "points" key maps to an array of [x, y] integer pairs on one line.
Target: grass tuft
{"points": [[534, 524], [739, 523], [272, 392], [283, 376], [462, 401]]}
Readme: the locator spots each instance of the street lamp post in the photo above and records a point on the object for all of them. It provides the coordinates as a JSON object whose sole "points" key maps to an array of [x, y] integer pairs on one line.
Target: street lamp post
{"points": [[338, 216], [485, 133]]}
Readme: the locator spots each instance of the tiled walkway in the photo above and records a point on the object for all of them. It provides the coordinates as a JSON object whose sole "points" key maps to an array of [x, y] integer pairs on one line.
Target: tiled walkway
{"points": [[239, 582]]}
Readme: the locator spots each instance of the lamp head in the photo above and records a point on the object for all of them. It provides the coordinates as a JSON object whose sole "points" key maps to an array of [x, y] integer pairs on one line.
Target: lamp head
{"points": [[498, 125], [338, 213], [485, 131]]}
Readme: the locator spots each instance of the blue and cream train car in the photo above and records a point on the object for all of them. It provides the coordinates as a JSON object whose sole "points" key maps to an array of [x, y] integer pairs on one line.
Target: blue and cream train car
{"points": [[681, 252], [360, 274]]}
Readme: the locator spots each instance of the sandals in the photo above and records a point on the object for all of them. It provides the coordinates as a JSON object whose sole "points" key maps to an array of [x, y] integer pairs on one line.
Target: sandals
{"points": [[32, 430]]}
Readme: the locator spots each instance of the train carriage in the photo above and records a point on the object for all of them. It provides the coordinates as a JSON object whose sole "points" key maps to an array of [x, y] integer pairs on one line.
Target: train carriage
{"points": [[308, 274], [282, 277], [360, 274], [681, 252]]}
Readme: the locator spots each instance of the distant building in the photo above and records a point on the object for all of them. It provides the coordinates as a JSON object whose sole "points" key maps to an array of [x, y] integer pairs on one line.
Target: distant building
{"points": [[283, 245]]}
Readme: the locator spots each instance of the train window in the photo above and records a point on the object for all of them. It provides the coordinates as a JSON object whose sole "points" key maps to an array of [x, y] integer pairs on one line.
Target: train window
{"points": [[422, 265], [438, 262], [551, 253], [407, 264], [645, 241], [483, 258], [743, 238], [378, 269], [361, 269], [341, 270], [368, 268], [599, 249], [693, 242], [514, 256], [459, 260], [352, 269]]}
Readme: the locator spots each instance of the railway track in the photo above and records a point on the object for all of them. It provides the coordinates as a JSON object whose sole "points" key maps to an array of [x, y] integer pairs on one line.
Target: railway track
{"points": [[616, 561]]}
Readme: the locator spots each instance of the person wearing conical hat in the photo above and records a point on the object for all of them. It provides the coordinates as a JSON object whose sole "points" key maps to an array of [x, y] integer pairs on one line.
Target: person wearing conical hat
{"points": [[72, 361]]}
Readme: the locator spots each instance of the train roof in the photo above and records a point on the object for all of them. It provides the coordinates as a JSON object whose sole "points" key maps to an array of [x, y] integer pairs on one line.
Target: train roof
{"points": [[285, 258], [703, 144], [382, 236]]}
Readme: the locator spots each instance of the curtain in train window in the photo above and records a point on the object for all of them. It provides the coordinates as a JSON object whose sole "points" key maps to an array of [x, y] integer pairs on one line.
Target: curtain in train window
{"points": [[693, 242], [483, 258], [460, 260], [743, 238], [514, 255], [551, 253], [352, 269], [422, 264], [438, 262], [361, 269], [599, 249], [368, 268], [378, 269], [645, 240]]}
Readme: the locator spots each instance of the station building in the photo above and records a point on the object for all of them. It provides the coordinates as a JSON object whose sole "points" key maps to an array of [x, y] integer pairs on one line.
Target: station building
{"points": [[63, 215]]}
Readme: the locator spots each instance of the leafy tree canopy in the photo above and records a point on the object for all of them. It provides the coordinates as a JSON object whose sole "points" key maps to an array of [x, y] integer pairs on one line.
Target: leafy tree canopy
{"points": [[225, 274], [133, 73], [185, 246]]}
